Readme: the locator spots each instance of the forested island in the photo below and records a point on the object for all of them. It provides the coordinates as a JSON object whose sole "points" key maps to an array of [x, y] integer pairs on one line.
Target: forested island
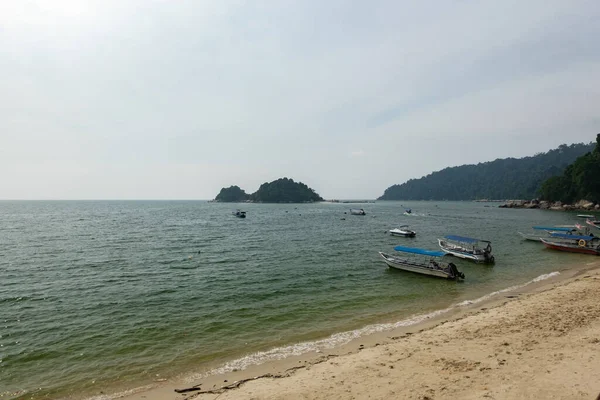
{"points": [[509, 178], [282, 190]]}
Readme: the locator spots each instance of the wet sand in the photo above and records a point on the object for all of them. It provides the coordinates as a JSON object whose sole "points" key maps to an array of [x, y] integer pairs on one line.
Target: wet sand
{"points": [[542, 341]]}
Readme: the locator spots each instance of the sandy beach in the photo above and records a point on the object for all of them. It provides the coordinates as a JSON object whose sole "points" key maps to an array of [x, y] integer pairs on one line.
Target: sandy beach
{"points": [[542, 343]]}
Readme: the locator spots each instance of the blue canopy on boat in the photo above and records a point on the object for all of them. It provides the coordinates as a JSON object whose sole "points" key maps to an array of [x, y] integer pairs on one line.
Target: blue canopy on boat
{"points": [[552, 228], [420, 251], [574, 237], [464, 239]]}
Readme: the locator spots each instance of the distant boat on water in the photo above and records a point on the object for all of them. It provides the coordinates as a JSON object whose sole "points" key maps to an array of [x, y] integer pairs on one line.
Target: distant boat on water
{"points": [[239, 214], [357, 211], [433, 267], [403, 231]]}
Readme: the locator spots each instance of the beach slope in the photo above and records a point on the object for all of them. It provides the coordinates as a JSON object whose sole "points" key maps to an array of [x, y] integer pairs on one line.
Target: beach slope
{"points": [[543, 345]]}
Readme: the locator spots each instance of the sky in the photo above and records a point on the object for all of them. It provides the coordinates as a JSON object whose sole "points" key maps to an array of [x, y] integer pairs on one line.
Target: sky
{"points": [[175, 99]]}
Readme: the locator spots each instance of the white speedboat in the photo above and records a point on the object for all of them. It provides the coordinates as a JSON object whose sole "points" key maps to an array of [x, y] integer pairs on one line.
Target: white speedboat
{"points": [[432, 267], [402, 231], [239, 214], [357, 211], [476, 250]]}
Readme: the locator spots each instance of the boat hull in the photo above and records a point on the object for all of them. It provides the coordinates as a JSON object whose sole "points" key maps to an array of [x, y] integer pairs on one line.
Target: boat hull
{"points": [[532, 238], [395, 232], [571, 248], [406, 265]]}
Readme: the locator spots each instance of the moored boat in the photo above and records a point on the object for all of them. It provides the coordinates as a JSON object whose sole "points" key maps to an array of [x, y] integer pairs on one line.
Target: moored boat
{"points": [[357, 211], [432, 267], [574, 243], [403, 230], [531, 236], [477, 250], [239, 214], [548, 230]]}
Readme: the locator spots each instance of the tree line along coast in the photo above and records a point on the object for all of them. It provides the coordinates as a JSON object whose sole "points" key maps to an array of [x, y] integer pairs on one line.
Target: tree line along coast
{"points": [[565, 178]]}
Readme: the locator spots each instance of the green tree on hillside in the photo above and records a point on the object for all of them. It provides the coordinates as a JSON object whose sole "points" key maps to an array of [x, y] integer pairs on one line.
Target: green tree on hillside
{"points": [[580, 180], [508, 178], [232, 194]]}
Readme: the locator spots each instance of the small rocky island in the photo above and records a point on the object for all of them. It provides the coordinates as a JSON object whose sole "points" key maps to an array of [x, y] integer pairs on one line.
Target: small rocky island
{"points": [[282, 190]]}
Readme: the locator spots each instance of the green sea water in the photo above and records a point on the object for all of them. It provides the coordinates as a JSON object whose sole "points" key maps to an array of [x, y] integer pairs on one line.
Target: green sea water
{"points": [[105, 295]]}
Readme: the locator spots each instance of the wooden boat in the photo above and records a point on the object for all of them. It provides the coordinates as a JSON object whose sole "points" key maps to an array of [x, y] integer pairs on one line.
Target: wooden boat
{"points": [[477, 250], [403, 231], [239, 214], [574, 243], [357, 211], [432, 267]]}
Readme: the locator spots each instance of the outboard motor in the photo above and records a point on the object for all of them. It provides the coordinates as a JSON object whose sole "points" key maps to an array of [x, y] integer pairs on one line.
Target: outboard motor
{"points": [[455, 271], [487, 254]]}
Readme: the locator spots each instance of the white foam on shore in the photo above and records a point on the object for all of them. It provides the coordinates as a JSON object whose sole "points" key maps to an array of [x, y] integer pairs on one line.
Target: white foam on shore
{"points": [[335, 340], [121, 394], [339, 339]]}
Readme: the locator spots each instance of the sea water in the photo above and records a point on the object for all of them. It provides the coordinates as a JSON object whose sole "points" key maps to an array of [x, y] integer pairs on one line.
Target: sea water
{"points": [[103, 295]]}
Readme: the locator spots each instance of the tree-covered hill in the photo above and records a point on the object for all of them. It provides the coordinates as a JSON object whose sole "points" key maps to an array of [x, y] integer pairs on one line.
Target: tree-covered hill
{"points": [[232, 194], [509, 178], [282, 190], [581, 180]]}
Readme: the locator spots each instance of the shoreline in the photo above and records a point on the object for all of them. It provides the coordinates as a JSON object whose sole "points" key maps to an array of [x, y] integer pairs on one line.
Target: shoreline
{"points": [[227, 381]]}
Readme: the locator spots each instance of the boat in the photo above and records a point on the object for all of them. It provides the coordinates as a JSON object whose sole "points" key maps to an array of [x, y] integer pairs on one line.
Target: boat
{"points": [[357, 211], [585, 216], [536, 237], [595, 223], [562, 228], [531, 236], [403, 231], [432, 267], [574, 243], [477, 250], [239, 214]]}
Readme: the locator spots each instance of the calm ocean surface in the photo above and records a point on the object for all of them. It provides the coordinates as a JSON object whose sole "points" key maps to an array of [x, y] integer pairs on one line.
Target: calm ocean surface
{"points": [[100, 295]]}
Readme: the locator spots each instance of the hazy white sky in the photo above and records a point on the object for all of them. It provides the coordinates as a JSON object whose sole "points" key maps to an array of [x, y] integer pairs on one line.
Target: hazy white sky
{"points": [[174, 99]]}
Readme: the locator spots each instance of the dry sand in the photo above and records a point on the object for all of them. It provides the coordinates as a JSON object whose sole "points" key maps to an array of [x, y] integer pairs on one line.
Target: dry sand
{"points": [[539, 345]]}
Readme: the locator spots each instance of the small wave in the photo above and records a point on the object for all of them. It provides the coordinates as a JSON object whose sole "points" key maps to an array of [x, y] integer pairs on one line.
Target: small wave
{"points": [[339, 339], [121, 394], [335, 340]]}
